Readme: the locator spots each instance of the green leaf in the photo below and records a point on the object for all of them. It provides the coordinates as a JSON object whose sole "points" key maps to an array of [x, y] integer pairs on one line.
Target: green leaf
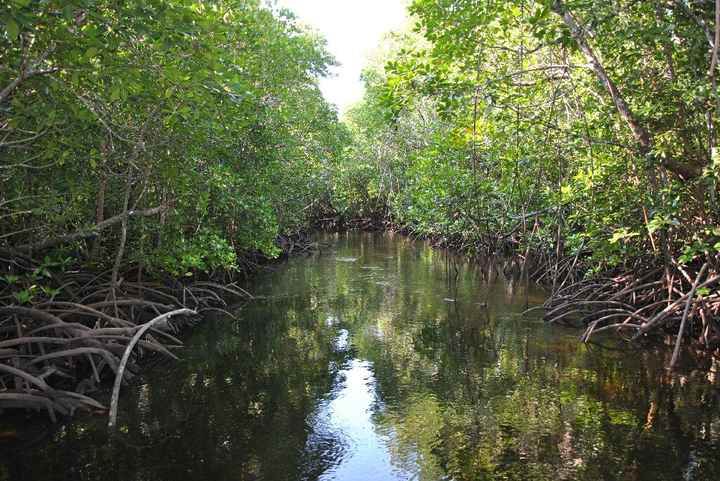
{"points": [[116, 93], [621, 234], [12, 29], [23, 297], [10, 279]]}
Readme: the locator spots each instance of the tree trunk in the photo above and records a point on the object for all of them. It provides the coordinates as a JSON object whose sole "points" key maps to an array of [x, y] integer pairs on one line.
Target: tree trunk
{"points": [[99, 214]]}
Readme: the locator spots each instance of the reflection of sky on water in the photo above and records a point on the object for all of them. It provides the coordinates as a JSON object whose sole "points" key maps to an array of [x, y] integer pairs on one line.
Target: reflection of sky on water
{"points": [[344, 434], [350, 414]]}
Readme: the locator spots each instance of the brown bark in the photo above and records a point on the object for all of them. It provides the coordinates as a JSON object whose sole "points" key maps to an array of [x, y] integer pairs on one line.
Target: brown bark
{"points": [[99, 213], [123, 239]]}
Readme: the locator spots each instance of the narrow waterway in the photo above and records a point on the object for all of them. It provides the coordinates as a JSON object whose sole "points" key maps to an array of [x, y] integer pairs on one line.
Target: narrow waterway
{"points": [[382, 359]]}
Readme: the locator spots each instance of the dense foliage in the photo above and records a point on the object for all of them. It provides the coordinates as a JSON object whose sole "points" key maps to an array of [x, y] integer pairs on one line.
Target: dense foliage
{"points": [[571, 126], [176, 133], [182, 133]]}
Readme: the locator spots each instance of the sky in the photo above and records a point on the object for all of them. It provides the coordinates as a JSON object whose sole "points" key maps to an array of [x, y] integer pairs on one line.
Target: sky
{"points": [[353, 29]]}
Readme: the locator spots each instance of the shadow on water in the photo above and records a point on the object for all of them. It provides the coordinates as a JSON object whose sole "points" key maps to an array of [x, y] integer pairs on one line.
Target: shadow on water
{"points": [[380, 359]]}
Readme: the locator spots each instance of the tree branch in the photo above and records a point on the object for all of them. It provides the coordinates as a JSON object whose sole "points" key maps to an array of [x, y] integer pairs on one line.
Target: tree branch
{"points": [[641, 135], [699, 21], [93, 231], [26, 72]]}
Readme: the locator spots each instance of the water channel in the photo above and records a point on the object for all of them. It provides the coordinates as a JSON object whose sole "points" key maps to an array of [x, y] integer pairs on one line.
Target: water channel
{"points": [[383, 359]]}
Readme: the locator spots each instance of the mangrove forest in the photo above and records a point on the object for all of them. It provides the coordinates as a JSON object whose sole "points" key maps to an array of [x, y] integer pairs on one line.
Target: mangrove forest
{"points": [[501, 263]]}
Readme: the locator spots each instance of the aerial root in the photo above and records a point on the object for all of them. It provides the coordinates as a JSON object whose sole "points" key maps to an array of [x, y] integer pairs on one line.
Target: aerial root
{"points": [[55, 351], [643, 302]]}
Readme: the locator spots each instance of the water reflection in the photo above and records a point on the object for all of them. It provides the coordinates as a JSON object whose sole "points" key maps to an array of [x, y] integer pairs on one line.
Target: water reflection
{"points": [[380, 359], [350, 416]]}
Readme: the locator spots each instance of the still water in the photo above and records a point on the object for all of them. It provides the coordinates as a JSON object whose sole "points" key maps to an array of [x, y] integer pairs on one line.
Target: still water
{"points": [[382, 359]]}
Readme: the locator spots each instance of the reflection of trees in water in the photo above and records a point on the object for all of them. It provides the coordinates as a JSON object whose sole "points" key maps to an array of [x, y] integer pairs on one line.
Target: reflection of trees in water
{"points": [[471, 393], [464, 391], [524, 417], [235, 409]]}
